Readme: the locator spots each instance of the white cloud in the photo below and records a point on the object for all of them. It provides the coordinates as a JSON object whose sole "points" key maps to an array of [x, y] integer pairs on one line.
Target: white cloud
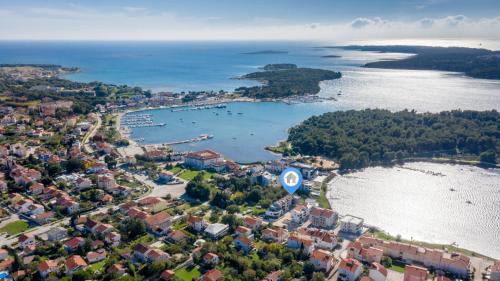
{"points": [[137, 23]]}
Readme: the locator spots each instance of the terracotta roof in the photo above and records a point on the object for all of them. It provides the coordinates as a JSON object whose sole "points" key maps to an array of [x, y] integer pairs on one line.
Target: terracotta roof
{"points": [[321, 255], [141, 248], [203, 155], [273, 276], [167, 274], [210, 256], [73, 243], [75, 262], [47, 265], [213, 275], [327, 213], [415, 273]]}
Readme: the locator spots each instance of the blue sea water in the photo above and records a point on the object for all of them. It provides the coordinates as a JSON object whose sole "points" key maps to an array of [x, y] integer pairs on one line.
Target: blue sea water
{"points": [[179, 66]]}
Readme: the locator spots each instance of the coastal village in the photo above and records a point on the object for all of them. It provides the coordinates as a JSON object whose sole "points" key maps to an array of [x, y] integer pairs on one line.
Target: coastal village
{"points": [[80, 200]]}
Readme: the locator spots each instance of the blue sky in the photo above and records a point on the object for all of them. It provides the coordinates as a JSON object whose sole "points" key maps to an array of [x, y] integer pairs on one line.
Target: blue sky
{"points": [[256, 19]]}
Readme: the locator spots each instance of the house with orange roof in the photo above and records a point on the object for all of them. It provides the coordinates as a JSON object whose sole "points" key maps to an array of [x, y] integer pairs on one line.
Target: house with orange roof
{"points": [[117, 268], [211, 258], [299, 241], [25, 240], [322, 218], [196, 223], [252, 222], [176, 236], [167, 275], [46, 267], [273, 276], [324, 239], [159, 223], [455, 263], [74, 263], [377, 272], [322, 260], [300, 214], [243, 243], [350, 269], [72, 244], [113, 238], [202, 159], [97, 256], [213, 275], [156, 255], [278, 235], [244, 231], [415, 273]]}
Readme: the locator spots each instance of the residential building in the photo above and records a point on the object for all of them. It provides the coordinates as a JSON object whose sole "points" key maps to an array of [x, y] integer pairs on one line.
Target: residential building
{"points": [[46, 267], [26, 240], [216, 230], [350, 269], [273, 276], [299, 241], [415, 273], [213, 275], [57, 233], [97, 256], [197, 223], [211, 258], [243, 231], [243, 243], [252, 222], [323, 218], [454, 263], [322, 260], [300, 214], [167, 275], [202, 159], [351, 224], [278, 235], [74, 263], [72, 244]]}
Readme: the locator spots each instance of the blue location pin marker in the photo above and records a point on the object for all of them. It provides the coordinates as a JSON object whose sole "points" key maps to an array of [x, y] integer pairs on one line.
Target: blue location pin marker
{"points": [[291, 179]]}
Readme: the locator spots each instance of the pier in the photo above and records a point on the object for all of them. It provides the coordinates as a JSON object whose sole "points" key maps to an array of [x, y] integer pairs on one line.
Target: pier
{"points": [[202, 137]]}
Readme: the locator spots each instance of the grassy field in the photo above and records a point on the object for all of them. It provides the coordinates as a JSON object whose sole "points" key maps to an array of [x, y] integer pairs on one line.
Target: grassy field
{"points": [[189, 175], [175, 169], [98, 266], [15, 227], [186, 275]]}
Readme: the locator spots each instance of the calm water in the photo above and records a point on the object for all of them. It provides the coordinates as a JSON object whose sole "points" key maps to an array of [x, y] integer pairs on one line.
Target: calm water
{"points": [[406, 202], [412, 203], [241, 137]]}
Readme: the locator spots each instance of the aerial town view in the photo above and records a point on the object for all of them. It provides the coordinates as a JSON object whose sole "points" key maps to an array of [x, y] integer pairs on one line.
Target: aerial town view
{"points": [[250, 140]]}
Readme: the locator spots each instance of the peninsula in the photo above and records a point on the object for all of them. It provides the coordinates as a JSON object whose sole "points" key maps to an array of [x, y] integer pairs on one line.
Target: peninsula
{"points": [[358, 139], [474, 62]]}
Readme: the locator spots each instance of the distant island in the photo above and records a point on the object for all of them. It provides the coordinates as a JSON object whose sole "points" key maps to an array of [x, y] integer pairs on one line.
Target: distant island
{"points": [[358, 139], [286, 80], [331, 56], [474, 62], [265, 52]]}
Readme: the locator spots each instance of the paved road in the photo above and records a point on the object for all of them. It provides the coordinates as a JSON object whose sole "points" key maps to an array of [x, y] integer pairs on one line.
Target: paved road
{"points": [[91, 134]]}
